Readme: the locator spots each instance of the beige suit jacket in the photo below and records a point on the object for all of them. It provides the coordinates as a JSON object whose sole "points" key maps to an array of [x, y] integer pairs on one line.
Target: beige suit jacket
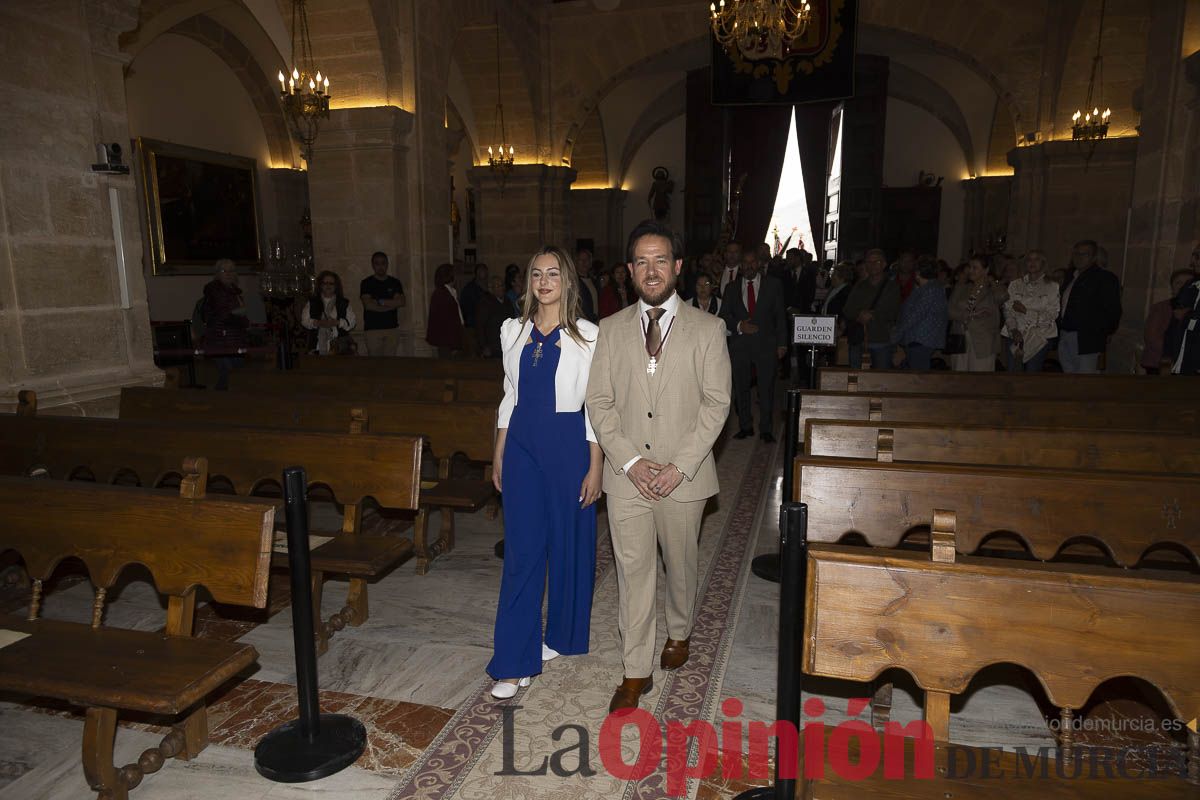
{"points": [[673, 417]]}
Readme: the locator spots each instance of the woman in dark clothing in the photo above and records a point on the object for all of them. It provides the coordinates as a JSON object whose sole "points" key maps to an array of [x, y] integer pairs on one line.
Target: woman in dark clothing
{"points": [[445, 328], [225, 322], [617, 293]]}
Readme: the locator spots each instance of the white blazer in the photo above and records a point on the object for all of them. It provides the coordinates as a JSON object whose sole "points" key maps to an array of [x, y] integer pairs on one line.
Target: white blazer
{"points": [[570, 379]]}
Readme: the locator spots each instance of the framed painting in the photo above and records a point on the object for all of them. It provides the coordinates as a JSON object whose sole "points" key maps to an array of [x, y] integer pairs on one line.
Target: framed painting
{"points": [[200, 206]]}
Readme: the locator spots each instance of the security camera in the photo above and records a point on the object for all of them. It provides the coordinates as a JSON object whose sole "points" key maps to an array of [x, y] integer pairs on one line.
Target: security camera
{"points": [[110, 159]]}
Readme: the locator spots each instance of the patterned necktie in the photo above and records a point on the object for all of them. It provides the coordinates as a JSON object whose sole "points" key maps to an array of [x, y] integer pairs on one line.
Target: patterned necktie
{"points": [[750, 297], [653, 332]]}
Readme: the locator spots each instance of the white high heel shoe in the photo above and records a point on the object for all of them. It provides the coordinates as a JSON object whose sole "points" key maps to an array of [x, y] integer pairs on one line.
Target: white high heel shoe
{"points": [[549, 653], [502, 690]]}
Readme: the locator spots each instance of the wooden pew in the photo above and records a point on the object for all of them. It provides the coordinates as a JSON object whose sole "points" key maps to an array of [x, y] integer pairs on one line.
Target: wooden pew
{"points": [[466, 428], [1124, 514], [185, 541], [1113, 516], [1163, 417], [386, 387], [1060, 448], [1043, 385], [942, 619], [476, 368], [248, 459]]}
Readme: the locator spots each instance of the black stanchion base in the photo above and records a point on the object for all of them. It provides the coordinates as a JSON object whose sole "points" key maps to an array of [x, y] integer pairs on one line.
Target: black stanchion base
{"points": [[761, 793], [499, 549], [766, 567], [285, 756]]}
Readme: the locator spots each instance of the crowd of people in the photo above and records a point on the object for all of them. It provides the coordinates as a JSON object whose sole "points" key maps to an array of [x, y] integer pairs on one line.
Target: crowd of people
{"points": [[917, 312]]}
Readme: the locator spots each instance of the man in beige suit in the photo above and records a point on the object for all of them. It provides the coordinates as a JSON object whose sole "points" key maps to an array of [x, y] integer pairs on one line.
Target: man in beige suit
{"points": [[658, 396]]}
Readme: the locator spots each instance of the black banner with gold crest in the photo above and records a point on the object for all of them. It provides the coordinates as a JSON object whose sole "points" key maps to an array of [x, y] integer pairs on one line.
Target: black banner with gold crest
{"points": [[818, 66]]}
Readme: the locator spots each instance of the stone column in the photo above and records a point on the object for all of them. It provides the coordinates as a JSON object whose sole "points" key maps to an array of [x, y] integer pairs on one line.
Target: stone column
{"points": [[73, 325], [1165, 206], [358, 192], [528, 210], [1060, 196], [289, 198], [985, 217], [599, 215]]}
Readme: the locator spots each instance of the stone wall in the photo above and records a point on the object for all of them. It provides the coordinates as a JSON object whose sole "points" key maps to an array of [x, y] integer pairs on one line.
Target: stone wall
{"points": [[67, 329], [525, 212], [358, 184]]}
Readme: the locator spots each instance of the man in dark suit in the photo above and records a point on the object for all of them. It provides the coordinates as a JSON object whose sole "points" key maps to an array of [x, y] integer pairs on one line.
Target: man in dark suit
{"points": [[753, 311], [1091, 310]]}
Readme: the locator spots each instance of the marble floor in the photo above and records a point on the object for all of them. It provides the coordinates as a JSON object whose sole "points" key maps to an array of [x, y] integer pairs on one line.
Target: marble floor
{"points": [[405, 672]]}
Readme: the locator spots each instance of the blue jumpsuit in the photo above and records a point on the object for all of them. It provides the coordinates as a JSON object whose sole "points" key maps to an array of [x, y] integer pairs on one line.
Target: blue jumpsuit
{"points": [[546, 458]]}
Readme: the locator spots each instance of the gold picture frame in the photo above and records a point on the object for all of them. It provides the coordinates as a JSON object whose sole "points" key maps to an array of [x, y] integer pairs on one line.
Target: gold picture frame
{"points": [[201, 206]]}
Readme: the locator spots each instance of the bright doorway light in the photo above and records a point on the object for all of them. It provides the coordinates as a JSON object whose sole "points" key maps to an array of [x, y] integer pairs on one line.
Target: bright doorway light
{"points": [[790, 226]]}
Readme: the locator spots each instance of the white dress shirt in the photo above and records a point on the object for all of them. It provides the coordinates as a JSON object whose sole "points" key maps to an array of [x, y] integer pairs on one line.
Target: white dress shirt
{"points": [[670, 306], [728, 275], [757, 281]]}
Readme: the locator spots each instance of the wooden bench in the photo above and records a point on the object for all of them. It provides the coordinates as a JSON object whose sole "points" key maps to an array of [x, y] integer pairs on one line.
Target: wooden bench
{"points": [[1165, 417], [466, 428], [1086, 515], [1061, 448], [474, 368], [1123, 514], [942, 619], [354, 467], [186, 541], [1043, 385], [386, 387]]}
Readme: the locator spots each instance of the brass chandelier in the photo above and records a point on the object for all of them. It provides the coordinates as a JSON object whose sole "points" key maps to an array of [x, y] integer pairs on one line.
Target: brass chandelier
{"points": [[1093, 125], [305, 95], [501, 155], [759, 27]]}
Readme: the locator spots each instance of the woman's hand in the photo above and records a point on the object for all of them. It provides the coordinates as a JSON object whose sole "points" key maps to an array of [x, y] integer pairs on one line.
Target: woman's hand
{"points": [[589, 492]]}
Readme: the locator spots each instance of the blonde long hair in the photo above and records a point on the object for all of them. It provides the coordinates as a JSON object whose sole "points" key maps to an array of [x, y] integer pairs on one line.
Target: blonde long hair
{"points": [[568, 304]]}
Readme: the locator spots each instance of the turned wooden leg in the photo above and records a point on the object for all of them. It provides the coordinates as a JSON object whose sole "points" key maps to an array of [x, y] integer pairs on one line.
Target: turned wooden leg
{"points": [[1066, 735], [99, 730], [356, 601], [194, 728], [447, 533], [421, 540], [318, 588], [881, 706]]}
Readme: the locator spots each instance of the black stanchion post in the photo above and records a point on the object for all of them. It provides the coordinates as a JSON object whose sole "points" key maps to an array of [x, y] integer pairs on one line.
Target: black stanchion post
{"points": [[767, 566], [793, 540], [315, 745]]}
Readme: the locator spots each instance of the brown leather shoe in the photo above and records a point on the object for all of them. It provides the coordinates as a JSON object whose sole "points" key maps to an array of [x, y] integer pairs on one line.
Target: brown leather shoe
{"points": [[675, 653], [630, 692]]}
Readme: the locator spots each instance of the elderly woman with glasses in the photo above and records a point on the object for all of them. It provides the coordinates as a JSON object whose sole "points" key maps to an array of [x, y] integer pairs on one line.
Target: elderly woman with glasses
{"points": [[329, 314]]}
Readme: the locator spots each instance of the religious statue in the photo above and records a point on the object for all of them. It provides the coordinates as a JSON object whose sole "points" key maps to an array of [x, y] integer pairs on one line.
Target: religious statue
{"points": [[660, 194]]}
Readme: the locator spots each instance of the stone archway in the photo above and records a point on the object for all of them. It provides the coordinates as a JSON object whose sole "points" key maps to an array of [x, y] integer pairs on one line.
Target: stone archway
{"points": [[262, 91]]}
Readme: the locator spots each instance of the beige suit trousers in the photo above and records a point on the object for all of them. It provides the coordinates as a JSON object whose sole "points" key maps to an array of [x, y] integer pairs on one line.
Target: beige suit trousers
{"points": [[639, 527]]}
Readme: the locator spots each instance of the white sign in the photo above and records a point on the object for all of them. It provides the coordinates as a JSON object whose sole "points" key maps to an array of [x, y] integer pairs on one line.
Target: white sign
{"points": [[814, 330]]}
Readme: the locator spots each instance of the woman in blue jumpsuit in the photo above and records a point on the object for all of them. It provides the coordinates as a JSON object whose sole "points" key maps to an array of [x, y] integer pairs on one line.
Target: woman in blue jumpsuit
{"points": [[547, 464]]}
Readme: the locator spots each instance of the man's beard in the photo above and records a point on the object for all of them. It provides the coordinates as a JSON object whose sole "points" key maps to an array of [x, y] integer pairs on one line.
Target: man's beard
{"points": [[658, 298]]}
